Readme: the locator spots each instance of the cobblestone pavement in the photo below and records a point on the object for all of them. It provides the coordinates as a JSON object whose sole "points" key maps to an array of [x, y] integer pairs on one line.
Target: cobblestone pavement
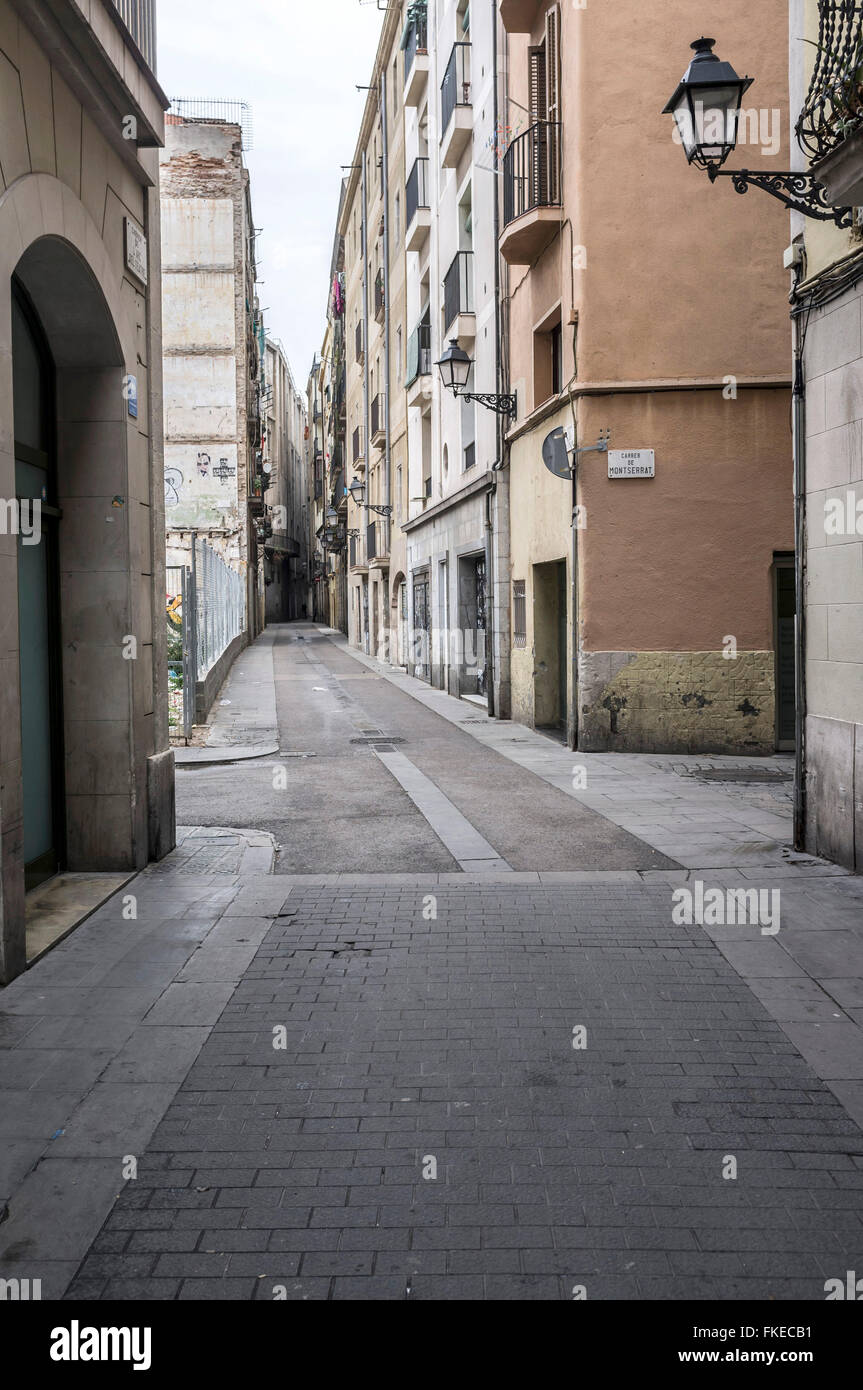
{"points": [[432, 1026]]}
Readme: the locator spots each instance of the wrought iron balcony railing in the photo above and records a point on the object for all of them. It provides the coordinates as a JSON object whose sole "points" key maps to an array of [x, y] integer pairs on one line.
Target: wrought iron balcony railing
{"points": [[531, 171], [458, 288], [417, 195], [455, 88], [833, 109]]}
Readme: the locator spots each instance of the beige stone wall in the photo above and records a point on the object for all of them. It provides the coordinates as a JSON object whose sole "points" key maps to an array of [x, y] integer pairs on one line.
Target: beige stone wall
{"points": [[677, 702], [68, 180]]}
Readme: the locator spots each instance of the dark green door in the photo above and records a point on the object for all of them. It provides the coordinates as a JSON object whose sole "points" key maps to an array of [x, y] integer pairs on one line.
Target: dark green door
{"points": [[786, 608], [38, 604]]}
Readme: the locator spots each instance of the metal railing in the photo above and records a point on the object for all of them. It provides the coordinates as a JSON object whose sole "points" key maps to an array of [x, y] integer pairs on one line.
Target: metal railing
{"points": [[417, 193], [218, 111], [455, 88], [531, 171], [419, 361], [220, 608], [380, 293], [139, 17], [833, 109], [206, 610], [417, 41], [458, 288]]}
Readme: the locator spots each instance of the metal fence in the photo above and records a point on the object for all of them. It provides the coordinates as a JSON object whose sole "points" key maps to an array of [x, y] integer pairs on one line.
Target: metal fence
{"points": [[206, 610], [217, 110]]}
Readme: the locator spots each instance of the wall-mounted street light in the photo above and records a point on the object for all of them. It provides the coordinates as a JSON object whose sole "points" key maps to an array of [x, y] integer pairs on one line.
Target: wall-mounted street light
{"points": [[357, 491], [706, 109], [455, 366]]}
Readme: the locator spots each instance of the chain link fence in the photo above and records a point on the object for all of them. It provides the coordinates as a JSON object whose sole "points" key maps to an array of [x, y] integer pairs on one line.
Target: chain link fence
{"points": [[206, 611]]}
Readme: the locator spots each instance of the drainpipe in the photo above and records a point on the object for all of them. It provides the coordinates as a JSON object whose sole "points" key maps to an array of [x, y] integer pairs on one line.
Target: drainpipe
{"points": [[499, 419], [385, 170], [799, 588], [366, 443]]}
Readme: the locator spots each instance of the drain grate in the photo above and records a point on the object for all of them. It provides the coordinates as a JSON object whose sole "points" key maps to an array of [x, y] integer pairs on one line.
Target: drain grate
{"points": [[474, 721], [377, 738], [739, 774]]}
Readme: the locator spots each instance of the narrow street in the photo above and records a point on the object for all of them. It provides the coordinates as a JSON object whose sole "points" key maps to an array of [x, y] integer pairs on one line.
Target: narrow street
{"points": [[472, 1056]]}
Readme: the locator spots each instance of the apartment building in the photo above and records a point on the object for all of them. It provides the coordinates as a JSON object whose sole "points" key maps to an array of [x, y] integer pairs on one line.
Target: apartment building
{"points": [[286, 504], [213, 345], [827, 309], [457, 523], [372, 226], [650, 592], [86, 773]]}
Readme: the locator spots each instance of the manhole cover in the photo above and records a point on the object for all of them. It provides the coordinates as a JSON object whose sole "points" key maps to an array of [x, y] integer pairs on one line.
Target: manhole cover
{"points": [[739, 774]]}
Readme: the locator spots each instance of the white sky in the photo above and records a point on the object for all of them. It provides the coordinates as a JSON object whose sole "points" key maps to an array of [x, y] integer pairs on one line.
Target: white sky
{"points": [[296, 63]]}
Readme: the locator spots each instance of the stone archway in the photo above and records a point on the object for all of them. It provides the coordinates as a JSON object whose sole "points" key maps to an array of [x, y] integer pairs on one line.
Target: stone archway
{"points": [[115, 735]]}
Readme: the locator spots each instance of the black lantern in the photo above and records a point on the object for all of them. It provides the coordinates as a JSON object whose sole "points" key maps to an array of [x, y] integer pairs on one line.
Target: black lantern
{"points": [[454, 367], [706, 107], [332, 517], [357, 491]]}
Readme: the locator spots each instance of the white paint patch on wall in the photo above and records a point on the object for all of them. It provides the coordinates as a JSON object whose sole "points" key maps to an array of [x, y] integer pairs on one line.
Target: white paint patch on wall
{"points": [[201, 397], [198, 310], [197, 233]]}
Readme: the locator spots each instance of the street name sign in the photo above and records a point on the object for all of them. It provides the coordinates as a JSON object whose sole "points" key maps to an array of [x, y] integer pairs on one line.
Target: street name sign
{"points": [[631, 463]]}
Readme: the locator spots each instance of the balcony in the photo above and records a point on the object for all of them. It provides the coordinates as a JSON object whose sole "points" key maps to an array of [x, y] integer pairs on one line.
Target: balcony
{"points": [[418, 380], [139, 17], [519, 16], [358, 454], [417, 206], [379, 420], [830, 128], [456, 111], [415, 44], [531, 193], [458, 302], [380, 295], [360, 347]]}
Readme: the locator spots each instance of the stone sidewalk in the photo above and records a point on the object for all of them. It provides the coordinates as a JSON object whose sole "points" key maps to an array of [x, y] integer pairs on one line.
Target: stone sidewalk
{"points": [[485, 1090]]}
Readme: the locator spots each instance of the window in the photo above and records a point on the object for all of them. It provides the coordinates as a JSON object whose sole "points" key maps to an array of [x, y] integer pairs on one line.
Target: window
{"points": [[399, 355], [519, 614], [397, 219], [548, 367], [557, 359]]}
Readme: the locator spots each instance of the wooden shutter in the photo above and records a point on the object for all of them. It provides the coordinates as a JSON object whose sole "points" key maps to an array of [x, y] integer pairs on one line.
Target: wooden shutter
{"points": [[537, 78], [551, 157], [552, 64]]}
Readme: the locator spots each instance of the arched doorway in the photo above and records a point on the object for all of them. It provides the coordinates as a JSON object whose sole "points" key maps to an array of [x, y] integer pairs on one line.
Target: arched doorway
{"points": [[36, 517]]}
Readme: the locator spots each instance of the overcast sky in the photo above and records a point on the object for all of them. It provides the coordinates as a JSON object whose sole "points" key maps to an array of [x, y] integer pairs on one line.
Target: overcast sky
{"points": [[297, 64]]}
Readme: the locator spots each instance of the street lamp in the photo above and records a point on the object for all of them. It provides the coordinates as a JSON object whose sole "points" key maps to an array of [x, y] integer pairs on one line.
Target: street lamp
{"points": [[332, 517], [357, 491], [706, 110], [454, 367], [706, 107]]}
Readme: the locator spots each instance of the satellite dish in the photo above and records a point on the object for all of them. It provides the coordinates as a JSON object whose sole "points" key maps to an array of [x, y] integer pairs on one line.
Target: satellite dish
{"points": [[555, 453]]}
